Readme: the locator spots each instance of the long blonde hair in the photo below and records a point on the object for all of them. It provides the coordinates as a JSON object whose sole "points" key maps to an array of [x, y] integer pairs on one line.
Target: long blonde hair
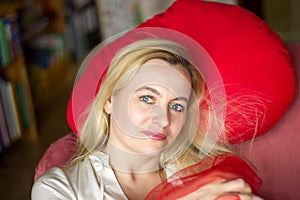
{"points": [[95, 129]]}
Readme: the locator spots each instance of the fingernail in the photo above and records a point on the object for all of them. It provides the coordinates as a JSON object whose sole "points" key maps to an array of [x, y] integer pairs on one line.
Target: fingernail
{"points": [[256, 198]]}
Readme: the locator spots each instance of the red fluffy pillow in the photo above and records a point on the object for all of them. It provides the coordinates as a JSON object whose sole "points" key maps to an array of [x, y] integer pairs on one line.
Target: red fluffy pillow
{"points": [[256, 68], [252, 59]]}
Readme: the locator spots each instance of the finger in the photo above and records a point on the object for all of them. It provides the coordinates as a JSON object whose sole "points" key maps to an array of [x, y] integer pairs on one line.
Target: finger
{"points": [[254, 197], [245, 197], [228, 197], [237, 186], [238, 197], [249, 197]]}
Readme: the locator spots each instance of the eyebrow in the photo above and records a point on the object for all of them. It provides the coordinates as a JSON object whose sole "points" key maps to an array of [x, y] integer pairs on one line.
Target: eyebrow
{"points": [[149, 89], [158, 93], [181, 99]]}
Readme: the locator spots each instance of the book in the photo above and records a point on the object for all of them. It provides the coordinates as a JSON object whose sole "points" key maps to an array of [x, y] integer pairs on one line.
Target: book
{"points": [[22, 102], [84, 28], [46, 49], [13, 36], [14, 111], [10, 38], [8, 27], [10, 110], [3, 44], [4, 135]]}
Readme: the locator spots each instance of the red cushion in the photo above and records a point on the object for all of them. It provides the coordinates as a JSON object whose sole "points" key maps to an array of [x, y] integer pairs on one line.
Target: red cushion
{"points": [[256, 68], [253, 62], [58, 153]]}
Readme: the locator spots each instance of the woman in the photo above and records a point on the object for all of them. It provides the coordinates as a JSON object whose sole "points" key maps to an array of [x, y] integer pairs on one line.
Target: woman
{"points": [[142, 131]]}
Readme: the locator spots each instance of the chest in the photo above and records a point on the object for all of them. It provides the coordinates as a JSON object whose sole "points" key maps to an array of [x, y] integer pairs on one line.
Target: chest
{"points": [[139, 187]]}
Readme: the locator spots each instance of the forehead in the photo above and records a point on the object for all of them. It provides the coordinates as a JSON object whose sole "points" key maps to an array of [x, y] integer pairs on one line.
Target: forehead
{"points": [[158, 72]]}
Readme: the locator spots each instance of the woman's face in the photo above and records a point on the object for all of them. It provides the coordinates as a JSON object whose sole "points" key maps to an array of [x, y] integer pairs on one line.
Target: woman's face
{"points": [[149, 112]]}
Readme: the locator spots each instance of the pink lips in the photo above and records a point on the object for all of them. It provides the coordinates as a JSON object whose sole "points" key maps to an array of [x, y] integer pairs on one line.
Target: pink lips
{"points": [[155, 136]]}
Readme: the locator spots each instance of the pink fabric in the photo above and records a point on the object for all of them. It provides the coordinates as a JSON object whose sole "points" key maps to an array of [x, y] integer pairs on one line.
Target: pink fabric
{"points": [[57, 154], [277, 154]]}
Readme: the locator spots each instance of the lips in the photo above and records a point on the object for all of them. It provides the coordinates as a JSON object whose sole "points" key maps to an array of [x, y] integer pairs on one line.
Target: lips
{"points": [[155, 135]]}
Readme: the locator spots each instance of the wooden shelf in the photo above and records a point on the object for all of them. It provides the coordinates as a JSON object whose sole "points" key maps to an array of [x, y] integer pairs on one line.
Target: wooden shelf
{"points": [[8, 7], [17, 99], [46, 83], [15, 72]]}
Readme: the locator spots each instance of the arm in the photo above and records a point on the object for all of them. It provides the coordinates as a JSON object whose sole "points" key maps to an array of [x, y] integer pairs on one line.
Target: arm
{"points": [[52, 185], [212, 177], [236, 189]]}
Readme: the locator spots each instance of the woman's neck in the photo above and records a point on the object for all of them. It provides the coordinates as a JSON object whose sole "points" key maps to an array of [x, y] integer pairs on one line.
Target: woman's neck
{"points": [[138, 185], [136, 173], [135, 163]]}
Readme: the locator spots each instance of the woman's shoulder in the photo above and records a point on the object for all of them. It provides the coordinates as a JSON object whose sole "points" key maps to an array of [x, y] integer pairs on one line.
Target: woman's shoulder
{"points": [[69, 181], [54, 183], [97, 160]]}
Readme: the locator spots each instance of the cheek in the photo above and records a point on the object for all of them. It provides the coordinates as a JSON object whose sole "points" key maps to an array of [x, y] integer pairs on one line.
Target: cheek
{"points": [[138, 115], [177, 122]]}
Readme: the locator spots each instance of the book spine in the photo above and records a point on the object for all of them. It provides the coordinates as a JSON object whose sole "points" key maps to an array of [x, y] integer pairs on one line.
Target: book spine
{"points": [[8, 26], [17, 40], [13, 34], [5, 140], [14, 112], [23, 105], [4, 46], [10, 38], [10, 112]]}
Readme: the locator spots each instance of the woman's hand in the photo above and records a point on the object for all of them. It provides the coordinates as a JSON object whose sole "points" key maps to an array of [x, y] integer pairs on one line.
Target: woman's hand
{"points": [[236, 189]]}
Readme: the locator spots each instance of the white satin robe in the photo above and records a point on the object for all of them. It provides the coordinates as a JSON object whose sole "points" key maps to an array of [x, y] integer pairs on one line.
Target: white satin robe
{"points": [[91, 179]]}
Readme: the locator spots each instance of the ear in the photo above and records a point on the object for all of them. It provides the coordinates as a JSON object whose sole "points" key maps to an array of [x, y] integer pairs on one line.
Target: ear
{"points": [[108, 106]]}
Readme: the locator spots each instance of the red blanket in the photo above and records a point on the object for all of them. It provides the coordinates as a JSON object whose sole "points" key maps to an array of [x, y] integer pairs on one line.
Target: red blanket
{"points": [[226, 166]]}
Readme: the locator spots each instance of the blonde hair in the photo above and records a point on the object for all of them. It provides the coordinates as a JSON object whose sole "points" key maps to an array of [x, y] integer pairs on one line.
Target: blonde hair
{"points": [[95, 129]]}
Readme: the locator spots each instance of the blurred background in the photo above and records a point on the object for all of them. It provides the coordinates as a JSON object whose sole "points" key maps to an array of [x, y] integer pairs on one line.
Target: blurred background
{"points": [[43, 42]]}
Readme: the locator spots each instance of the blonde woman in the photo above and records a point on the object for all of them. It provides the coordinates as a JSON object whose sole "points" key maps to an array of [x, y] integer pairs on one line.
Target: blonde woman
{"points": [[143, 130]]}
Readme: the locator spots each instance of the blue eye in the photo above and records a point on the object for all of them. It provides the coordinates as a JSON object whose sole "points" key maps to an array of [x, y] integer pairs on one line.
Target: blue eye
{"points": [[147, 99], [177, 107]]}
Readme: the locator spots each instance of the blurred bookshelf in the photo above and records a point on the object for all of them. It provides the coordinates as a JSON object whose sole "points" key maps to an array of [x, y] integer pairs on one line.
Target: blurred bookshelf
{"points": [[17, 116], [48, 60], [67, 30], [42, 44]]}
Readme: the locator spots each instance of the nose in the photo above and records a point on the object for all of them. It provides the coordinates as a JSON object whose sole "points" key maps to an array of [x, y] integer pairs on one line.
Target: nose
{"points": [[159, 116]]}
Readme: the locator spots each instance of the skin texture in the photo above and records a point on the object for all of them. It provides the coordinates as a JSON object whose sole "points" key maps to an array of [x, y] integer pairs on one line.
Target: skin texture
{"points": [[150, 111]]}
